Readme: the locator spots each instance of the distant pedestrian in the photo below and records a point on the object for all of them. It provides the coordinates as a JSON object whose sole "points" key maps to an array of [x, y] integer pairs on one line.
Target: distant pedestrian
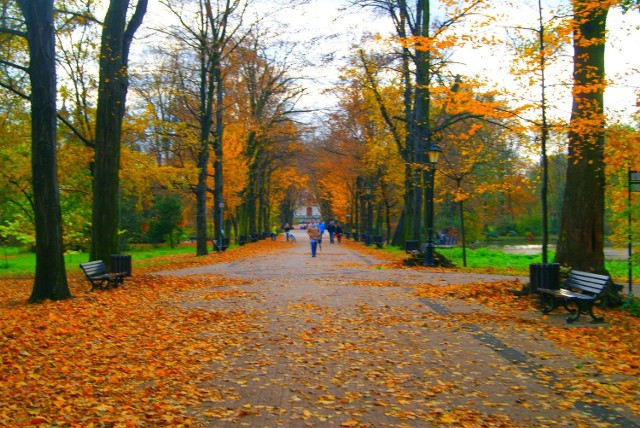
{"points": [[274, 232], [287, 228], [314, 236], [321, 227], [338, 232], [331, 229]]}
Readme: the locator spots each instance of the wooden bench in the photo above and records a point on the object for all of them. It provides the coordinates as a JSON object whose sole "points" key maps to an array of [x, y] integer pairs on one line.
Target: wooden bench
{"points": [[411, 246], [582, 289], [96, 272], [216, 247]]}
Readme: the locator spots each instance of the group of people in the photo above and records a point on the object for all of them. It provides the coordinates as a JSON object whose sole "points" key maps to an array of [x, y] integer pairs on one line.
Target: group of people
{"points": [[287, 232], [316, 230]]}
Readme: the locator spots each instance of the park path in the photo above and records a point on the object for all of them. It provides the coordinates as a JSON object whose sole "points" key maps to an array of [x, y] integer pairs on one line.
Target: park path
{"points": [[341, 340]]}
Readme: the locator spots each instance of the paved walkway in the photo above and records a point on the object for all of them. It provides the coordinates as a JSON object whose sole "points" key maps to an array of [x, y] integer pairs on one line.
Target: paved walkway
{"points": [[338, 341]]}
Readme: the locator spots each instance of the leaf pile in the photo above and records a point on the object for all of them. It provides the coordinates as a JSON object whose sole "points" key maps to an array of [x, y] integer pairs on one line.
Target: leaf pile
{"points": [[124, 357], [608, 364]]}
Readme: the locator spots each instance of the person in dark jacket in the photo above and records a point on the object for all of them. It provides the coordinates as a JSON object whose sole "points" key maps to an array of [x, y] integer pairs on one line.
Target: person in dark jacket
{"points": [[338, 232], [332, 231]]}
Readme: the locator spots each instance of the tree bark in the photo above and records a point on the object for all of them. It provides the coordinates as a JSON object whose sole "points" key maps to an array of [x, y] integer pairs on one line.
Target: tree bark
{"points": [[581, 240], [218, 150], [112, 94], [50, 277]]}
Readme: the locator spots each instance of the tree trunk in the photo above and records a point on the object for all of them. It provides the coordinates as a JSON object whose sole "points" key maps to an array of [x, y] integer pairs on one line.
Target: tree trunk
{"points": [[112, 94], [581, 240], [50, 278], [217, 147], [201, 196], [422, 122]]}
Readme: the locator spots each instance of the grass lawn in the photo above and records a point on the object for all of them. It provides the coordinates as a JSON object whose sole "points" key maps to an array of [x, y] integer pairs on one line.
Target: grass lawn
{"points": [[18, 263], [15, 262], [497, 261]]}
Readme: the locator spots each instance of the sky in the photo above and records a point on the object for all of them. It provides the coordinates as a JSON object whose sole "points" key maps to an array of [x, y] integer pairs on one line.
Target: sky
{"points": [[325, 32]]}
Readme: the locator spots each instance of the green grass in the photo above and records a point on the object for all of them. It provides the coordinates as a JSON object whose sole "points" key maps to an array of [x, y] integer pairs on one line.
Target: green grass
{"points": [[15, 262], [18, 263], [497, 261]]}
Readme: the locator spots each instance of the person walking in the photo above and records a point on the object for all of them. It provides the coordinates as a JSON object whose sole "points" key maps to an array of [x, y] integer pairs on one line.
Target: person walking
{"points": [[338, 232], [331, 229], [274, 232], [314, 236], [321, 227]]}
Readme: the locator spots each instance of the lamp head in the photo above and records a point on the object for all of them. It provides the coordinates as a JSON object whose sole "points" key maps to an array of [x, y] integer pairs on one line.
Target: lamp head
{"points": [[434, 154]]}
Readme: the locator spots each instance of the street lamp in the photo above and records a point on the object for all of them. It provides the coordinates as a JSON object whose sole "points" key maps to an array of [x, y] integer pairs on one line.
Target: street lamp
{"points": [[367, 198], [433, 154], [220, 239]]}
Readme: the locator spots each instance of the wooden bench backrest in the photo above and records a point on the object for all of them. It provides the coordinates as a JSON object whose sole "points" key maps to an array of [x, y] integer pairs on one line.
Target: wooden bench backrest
{"points": [[586, 282], [96, 267]]}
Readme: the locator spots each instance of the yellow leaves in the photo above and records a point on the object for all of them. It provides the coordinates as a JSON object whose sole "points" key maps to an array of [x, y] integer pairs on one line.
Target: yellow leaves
{"points": [[326, 399], [220, 295], [448, 419]]}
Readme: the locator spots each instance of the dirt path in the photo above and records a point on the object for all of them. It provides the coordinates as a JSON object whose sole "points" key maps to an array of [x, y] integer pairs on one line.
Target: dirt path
{"points": [[339, 341]]}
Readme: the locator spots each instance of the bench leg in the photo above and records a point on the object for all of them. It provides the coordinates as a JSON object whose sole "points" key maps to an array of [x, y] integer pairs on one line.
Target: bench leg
{"points": [[576, 312], [548, 303], [98, 284], [593, 317], [584, 308], [565, 303], [587, 309]]}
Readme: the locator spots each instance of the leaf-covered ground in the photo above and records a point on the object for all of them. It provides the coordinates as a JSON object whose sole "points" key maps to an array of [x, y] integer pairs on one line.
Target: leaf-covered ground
{"points": [[210, 350]]}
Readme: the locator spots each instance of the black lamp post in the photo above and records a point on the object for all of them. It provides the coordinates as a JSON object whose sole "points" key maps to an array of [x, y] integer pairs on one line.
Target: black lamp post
{"points": [[433, 154], [367, 198], [220, 239]]}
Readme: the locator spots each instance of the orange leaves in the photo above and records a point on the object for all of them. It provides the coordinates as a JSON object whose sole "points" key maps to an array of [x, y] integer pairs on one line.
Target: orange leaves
{"points": [[320, 350], [497, 295], [602, 354], [125, 357]]}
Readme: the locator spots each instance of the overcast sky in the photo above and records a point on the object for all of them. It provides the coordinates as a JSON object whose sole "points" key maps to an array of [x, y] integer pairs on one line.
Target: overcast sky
{"points": [[325, 32]]}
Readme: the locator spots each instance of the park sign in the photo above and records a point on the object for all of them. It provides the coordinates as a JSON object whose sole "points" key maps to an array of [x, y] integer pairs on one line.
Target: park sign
{"points": [[634, 181]]}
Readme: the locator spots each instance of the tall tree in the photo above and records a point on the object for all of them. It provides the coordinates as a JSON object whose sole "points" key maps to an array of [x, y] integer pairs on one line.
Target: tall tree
{"points": [[581, 240], [265, 97], [422, 63], [50, 278], [117, 36], [208, 32]]}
